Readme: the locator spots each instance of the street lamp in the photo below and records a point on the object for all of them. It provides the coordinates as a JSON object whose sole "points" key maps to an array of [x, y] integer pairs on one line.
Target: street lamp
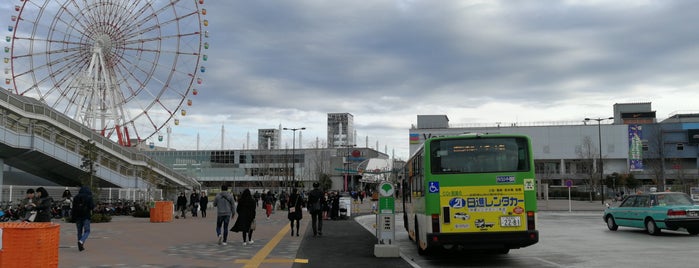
{"points": [[599, 139], [293, 155], [347, 164]]}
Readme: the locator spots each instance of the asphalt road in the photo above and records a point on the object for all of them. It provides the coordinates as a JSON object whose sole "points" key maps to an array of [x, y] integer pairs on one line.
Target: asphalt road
{"points": [[575, 239]]}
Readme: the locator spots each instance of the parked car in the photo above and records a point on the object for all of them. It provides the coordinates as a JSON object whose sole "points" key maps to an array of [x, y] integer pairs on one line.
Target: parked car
{"points": [[655, 211]]}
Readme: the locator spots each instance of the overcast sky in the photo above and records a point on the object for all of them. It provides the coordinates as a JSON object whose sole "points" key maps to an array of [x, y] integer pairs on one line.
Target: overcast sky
{"points": [[385, 62]]}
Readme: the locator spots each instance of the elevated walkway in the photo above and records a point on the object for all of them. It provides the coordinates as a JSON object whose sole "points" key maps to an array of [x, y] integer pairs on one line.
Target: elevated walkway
{"points": [[46, 143]]}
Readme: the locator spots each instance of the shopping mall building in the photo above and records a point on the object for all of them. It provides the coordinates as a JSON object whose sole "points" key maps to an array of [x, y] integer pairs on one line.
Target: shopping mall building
{"points": [[632, 141]]}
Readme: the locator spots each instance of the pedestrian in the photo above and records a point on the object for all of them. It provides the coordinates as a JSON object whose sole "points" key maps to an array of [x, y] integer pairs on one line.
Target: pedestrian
{"points": [[194, 203], [246, 217], [283, 200], [83, 204], [268, 201], [335, 210], [203, 203], [43, 206], [225, 210], [315, 199], [182, 204], [295, 215], [66, 203], [257, 198], [325, 206], [27, 206]]}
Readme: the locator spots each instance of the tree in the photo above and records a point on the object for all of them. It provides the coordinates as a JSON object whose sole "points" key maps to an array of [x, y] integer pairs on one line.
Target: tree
{"points": [[325, 182], [630, 181], [612, 180], [89, 164], [587, 154]]}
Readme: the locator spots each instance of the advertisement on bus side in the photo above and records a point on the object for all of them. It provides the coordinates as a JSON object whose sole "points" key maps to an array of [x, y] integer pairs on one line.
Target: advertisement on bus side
{"points": [[493, 208]]}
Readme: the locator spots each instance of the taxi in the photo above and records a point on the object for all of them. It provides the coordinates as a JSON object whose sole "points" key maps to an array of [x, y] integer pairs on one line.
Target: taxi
{"points": [[654, 212]]}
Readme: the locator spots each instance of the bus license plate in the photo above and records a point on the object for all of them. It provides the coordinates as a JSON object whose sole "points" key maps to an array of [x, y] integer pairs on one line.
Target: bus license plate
{"points": [[510, 221]]}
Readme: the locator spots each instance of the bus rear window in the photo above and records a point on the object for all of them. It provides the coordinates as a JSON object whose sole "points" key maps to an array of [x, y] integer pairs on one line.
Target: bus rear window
{"points": [[471, 155]]}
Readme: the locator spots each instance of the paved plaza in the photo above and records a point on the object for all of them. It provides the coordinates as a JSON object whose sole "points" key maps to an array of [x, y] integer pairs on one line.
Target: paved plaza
{"points": [[136, 242]]}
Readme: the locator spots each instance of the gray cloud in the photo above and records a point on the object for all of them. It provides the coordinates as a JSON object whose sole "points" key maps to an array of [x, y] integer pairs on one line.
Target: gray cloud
{"points": [[292, 62]]}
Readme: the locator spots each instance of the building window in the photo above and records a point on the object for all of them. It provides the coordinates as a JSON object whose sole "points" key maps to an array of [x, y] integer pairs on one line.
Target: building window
{"points": [[644, 147], [680, 146]]}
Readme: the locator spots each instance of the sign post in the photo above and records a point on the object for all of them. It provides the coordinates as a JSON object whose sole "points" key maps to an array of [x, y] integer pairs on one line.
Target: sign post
{"points": [[569, 184], [386, 222]]}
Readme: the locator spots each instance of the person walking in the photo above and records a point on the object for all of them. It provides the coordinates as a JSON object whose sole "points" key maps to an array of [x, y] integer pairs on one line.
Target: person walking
{"points": [[203, 203], [268, 203], [182, 204], [83, 204], [43, 207], [315, 199], [257, 198], [295, 215], [225, 210], [283, 200], [246, 217], [194, 203], [66, 203]]}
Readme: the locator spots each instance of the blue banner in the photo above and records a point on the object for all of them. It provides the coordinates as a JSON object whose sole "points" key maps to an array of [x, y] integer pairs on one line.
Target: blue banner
{"points": [[635, 148]]}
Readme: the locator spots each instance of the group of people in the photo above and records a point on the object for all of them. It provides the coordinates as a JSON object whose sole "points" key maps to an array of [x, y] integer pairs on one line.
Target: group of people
{"points": [[37, 206], [198, 202], [227, 207]]}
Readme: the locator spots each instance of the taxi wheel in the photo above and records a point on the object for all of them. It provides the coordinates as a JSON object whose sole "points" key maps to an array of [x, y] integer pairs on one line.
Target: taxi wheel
{"points": [[693, 231], [611, 224], [651, 227]]}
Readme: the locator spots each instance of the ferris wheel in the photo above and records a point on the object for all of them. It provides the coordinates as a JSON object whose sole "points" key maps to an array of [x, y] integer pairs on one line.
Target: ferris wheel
{"points": [[125, 69]]}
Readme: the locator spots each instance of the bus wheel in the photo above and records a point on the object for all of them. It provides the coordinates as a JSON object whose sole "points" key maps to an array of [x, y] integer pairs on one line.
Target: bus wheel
{"points": [[504, 251], [420, 251]]}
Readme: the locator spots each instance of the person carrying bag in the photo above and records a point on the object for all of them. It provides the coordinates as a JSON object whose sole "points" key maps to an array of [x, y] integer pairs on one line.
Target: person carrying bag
{"points": [[295, 212]]}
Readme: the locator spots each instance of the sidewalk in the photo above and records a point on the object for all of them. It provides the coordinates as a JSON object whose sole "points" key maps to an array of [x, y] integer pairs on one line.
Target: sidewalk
{"points": [[190, 242], [136, 242]]}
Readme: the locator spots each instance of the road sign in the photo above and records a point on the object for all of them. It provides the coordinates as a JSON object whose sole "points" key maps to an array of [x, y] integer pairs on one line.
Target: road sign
{"points": [[569, 183]]}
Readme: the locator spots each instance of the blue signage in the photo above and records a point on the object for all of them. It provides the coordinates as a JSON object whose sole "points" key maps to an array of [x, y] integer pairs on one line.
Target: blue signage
{"points": [[434, 187]]}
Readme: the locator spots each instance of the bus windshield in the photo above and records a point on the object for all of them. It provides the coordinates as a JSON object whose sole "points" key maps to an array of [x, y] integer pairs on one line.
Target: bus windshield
{"points": [[477, 155]]}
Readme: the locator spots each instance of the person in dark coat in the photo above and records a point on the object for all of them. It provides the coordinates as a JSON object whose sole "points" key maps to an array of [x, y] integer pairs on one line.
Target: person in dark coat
{"points": [[194, 203], [315, 200], [43, 206], [295, 204], [246, 217], [182, 204], [83, 204], [203, 202]]}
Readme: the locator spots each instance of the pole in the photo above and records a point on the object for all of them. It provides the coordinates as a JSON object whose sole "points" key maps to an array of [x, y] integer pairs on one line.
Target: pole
{"points": [[293, 161], [601, 164], [570, 205], [293, 156], [601, 167]]}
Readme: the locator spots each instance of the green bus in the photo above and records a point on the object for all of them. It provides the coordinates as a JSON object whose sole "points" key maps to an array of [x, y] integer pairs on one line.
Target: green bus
{"points": [[474, 191]]}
